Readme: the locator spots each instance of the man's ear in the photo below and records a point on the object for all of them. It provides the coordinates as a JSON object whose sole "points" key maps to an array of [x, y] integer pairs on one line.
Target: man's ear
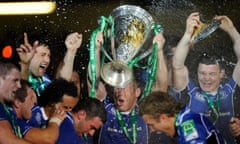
{"points": [[138, 92], [17, 103], [1, 81], [222, 73], [82, 114], [163, 117]]}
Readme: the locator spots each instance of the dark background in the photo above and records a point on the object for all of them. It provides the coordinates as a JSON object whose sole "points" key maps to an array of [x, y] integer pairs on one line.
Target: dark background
{"points": [[82, 16]]}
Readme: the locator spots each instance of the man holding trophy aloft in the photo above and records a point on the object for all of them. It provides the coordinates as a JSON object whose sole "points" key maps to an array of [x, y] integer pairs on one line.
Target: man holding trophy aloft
{"points": [[131, 62]]}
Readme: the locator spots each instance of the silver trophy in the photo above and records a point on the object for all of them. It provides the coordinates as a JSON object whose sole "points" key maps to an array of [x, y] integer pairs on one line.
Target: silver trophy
{"points": [[132, 30], [117, 74], [206, 30], [132, 37]]}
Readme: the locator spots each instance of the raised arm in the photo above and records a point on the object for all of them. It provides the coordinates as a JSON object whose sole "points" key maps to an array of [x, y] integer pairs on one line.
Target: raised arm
{"points": [[100, 90], [162, 72], [72, 42], [26, 52], [180, 71], [99, 42], [227, 26]]}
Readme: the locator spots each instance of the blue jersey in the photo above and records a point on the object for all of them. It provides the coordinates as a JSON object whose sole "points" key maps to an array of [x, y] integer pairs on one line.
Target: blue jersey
{"points": [[67, 132], [19, 125], [7, 113], [36, 120], [4, 114], [112, 133], [194, 128], [39, 83], [39, 119], [198, 103], [24, 126]]}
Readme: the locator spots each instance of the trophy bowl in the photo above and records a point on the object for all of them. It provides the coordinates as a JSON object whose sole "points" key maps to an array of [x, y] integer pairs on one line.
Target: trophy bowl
{"points": [[132, 30], [116, 74]]}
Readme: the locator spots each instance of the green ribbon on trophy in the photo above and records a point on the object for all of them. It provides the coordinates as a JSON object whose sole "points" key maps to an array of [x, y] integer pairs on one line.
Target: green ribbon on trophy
{"points": [[130, 33], [152, 64], [103, 27]]}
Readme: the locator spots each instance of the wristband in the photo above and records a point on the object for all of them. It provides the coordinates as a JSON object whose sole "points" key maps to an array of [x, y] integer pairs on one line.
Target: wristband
{"points": [[55, 120]]}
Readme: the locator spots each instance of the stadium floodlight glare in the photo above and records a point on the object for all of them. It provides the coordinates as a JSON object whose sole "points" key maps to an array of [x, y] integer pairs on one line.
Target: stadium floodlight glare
{"points": [[27, 8]]}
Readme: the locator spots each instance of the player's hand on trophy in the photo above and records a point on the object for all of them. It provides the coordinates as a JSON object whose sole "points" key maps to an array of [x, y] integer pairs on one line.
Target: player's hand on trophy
{"points": [[159, 40], [99, 40]]}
